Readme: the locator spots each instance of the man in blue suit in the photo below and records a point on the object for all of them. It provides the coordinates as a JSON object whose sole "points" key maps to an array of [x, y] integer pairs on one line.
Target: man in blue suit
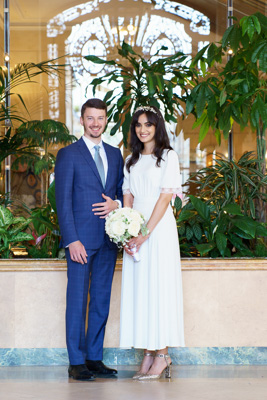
{"points": [[88, 177]]}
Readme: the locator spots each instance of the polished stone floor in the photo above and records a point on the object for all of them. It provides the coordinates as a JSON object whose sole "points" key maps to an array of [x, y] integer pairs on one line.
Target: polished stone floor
{"points": [[187, 383]]}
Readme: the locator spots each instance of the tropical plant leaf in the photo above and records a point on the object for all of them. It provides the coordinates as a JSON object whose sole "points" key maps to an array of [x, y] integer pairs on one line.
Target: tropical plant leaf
{"points": [[21, 237], [6, 216], [247, 225], [201, 207], [197, 231], [205, 248], [189, 232], [221, 242], [185, 215], [98, 60], [177, 203], [233, 209]]}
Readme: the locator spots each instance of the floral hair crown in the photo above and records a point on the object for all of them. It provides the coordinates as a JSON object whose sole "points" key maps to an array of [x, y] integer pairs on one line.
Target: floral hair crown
{"points": [[145, 108]]}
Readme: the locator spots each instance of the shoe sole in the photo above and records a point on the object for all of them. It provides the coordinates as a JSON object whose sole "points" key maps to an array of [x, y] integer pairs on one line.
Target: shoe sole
{"points": [[82, 379]]}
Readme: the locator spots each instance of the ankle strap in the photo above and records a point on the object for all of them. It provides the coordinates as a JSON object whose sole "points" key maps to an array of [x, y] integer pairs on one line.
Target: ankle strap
{"points": [[163, 355], [148, 354]]}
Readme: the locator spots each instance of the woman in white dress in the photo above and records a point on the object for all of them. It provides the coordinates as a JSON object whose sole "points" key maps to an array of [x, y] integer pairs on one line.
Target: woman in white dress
{"points": [[152, 303]]}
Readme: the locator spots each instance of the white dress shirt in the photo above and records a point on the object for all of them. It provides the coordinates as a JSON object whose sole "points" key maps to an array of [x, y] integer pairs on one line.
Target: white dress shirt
{"points": [[90, 145]]}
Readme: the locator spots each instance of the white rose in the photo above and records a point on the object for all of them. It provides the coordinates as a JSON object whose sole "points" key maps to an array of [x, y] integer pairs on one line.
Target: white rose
{"points": [[137, 217], [126, 211], [108, 227], [118, 228], [134, 228]]}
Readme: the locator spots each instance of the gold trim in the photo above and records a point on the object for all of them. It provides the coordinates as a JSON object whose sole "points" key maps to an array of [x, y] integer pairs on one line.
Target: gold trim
{"points": [[188, 264]]}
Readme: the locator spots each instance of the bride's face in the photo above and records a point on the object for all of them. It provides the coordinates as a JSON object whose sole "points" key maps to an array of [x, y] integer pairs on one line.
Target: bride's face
{"points": [[145, 131]]}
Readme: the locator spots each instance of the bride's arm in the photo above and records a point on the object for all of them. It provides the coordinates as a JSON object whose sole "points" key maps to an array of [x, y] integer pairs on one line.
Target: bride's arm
{"points": [[128, 200], [158, 212]]}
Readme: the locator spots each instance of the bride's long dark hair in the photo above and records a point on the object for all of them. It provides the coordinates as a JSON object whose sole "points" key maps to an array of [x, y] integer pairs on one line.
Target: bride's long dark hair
{"points": [[161, 137]]}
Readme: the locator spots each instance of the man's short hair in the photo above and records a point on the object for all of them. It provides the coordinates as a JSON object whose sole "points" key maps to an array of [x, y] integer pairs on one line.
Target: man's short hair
{"points": [[93, 103]]}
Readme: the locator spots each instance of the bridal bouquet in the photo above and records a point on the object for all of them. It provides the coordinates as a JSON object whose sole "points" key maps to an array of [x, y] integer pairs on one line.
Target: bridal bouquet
{"points": [[123, 224]]}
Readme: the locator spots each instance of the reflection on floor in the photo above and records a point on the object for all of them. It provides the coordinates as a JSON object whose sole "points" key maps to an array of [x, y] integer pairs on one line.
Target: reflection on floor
{"points": [[187, 383]]}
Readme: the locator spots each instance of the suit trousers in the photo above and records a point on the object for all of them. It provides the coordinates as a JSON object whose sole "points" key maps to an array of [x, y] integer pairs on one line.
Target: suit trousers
{"points": [[94, 278]]}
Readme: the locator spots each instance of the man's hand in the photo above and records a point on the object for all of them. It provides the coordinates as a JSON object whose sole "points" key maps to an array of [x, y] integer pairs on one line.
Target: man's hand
{"points": [[103, 209], [78, 252]]}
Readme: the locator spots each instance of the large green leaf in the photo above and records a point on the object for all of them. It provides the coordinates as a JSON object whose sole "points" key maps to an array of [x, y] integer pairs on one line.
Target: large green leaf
{"points": [[98, 60], [227, 33], [256, 23], [221, 242], [201, 207], [223, 97], [178, 203], [6, 216], [199, 55], [51, 194], [126, 124], [21, 237], [233, 209], [247, 225], [18, 228], [151, 83], [261, 230], [201, 101], [204, 129], [205, 248], [189, 232], [185, 215], [197, 231]]}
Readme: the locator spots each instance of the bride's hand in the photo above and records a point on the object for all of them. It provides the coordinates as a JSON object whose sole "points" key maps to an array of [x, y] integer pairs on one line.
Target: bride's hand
{"points": [[128, 250], [137, 242]]}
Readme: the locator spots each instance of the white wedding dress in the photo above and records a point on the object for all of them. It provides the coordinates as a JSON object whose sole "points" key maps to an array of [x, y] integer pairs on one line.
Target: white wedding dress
{"points": [[151, 298]]}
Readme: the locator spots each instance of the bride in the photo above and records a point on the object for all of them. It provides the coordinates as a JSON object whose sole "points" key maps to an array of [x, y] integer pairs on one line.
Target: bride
{"points": [[152, 303]]}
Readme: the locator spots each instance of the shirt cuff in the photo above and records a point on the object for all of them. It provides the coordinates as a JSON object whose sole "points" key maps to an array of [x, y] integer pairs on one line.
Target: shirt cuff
{"points": [[119, 202]]}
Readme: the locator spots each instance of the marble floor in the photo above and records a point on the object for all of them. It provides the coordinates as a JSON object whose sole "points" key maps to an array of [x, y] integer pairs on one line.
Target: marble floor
{"points": [[187, 383]]}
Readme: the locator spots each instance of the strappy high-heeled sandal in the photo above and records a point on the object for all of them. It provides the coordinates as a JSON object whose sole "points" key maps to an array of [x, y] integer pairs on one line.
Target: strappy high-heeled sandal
{"points": [[139, 374], [166, 370]]}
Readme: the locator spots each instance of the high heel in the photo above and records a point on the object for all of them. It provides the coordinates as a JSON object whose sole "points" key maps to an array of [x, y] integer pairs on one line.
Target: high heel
{"points": [[139, 374], [166, 370]]}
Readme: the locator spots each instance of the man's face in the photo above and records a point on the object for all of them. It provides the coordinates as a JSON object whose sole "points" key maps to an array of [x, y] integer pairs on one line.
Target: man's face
{"points": [[94, 122]]}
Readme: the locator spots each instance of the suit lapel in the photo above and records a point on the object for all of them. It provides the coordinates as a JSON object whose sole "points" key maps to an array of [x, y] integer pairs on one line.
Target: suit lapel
{"points": [[110, 163], [88, 157]]}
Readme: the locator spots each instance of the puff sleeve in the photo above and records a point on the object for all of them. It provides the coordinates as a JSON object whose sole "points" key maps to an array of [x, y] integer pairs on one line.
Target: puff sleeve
{"points": [[171, 177]]}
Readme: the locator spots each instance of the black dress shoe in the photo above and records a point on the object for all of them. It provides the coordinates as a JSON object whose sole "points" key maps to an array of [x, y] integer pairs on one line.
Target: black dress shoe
{"points": [[80, 372], [99, 368]]}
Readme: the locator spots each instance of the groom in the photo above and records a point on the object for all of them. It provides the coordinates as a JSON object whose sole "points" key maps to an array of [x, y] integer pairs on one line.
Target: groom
{"points": [[88, 177]]}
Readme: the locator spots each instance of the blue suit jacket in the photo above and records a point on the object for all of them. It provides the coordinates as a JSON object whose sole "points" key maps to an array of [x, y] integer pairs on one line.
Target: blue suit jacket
{"points": [[78, 186]]}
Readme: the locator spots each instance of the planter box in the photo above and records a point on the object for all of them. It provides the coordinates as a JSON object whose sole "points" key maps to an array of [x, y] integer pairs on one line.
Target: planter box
{"points": [[224, 303]]}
